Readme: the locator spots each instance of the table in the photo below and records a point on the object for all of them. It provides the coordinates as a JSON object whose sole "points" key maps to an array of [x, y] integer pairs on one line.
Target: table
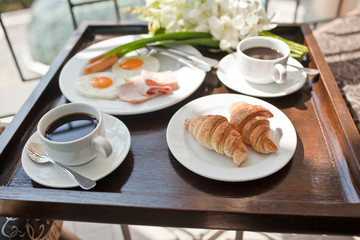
{"points": [[316, 192]]}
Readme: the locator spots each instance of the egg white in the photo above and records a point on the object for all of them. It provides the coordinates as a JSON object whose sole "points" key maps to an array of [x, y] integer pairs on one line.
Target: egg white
{"points": [[150, 63], [83, 86]]}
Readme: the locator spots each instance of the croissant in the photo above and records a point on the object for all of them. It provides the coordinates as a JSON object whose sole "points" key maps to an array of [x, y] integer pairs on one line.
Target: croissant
{"points": [[251, 121], [216, 133]]}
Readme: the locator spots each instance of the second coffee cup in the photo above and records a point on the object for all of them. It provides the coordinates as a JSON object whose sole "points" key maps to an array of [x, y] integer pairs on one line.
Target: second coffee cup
{"points": [[262, 60]]}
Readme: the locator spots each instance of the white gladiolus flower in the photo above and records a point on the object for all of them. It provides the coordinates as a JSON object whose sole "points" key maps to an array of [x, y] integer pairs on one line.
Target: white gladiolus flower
{"points": [[228, 21]]}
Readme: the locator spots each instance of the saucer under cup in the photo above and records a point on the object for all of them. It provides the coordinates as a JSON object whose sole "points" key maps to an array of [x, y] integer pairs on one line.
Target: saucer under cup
{"points": [[50, 175], [229, 74]]}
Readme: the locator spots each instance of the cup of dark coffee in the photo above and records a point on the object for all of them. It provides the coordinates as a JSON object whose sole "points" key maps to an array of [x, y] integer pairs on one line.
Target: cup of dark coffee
{"points": [[262, 60], [74, 134]]}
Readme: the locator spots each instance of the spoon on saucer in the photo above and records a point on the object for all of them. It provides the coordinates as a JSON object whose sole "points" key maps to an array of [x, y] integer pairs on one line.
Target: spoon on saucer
{"points": [[36, 152], [311, 71]]}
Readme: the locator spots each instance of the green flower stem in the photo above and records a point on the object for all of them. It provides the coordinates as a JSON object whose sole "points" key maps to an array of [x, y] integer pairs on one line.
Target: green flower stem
{"points": [[120, 51], [297, 50], [198, 40], [201, 42]]}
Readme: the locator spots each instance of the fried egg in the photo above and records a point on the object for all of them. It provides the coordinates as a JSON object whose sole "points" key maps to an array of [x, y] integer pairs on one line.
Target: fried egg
{"points": [[128, 67], [99, 85]]}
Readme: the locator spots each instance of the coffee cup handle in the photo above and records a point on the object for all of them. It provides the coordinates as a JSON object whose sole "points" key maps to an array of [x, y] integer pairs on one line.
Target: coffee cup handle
{"points": [[279, 73], [101, 146]]}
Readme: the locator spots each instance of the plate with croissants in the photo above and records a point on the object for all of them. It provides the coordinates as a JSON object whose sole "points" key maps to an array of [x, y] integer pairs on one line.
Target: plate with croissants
{"points": [[231, 137]]}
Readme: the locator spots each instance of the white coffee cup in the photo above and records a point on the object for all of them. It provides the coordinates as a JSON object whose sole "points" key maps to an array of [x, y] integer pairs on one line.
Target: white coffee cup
{"points": [[82, 149], [262, 71]]}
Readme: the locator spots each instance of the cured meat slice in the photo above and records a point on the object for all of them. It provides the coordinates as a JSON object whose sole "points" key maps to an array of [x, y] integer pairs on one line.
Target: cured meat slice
{"points": [[147, 85]]}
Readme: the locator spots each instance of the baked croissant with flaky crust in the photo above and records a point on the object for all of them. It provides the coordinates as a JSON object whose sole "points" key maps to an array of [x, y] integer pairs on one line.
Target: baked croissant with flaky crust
{"points": [[216, 133], [251, 121]]}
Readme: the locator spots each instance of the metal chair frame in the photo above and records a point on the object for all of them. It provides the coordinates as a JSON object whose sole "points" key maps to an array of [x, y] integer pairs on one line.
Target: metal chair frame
{"points": [[72, 5], [13, 53]]}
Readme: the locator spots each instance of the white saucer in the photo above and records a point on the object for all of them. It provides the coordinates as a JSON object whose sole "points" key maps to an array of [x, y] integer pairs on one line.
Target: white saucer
{"points": [[232, 78], [49, 175]]}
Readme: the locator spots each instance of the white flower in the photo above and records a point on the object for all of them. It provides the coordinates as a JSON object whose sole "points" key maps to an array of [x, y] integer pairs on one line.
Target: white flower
{"points": [[228, 21]]}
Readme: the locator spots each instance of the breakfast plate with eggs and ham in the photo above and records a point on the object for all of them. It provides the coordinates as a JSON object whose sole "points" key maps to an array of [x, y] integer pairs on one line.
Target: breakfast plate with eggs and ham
{"points": [[134, 84]]}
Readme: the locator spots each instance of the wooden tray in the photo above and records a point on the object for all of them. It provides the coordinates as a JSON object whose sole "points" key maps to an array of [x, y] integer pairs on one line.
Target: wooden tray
{"points": [[316, 192]]}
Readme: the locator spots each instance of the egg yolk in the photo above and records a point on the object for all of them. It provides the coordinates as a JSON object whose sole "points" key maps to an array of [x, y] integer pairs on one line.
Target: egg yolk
{"points": [[131, 64], [101, 82]]}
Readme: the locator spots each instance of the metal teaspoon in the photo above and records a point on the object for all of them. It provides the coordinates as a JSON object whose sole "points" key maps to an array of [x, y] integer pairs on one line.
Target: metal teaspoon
{"points": [[36, 152], [310, 71]]}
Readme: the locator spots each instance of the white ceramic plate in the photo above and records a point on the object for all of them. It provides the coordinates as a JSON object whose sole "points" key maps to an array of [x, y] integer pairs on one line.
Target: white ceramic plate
{"points": [[49, 175], [213, 165], [232, 78], [188, 79]]}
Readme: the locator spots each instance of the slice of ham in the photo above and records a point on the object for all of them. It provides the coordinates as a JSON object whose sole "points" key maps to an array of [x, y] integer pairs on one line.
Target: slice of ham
{"points": [[147, 85]]}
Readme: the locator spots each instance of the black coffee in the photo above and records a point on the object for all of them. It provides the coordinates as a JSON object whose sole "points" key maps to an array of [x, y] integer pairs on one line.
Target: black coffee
{"points": [[71, 127], [263, 53]]}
